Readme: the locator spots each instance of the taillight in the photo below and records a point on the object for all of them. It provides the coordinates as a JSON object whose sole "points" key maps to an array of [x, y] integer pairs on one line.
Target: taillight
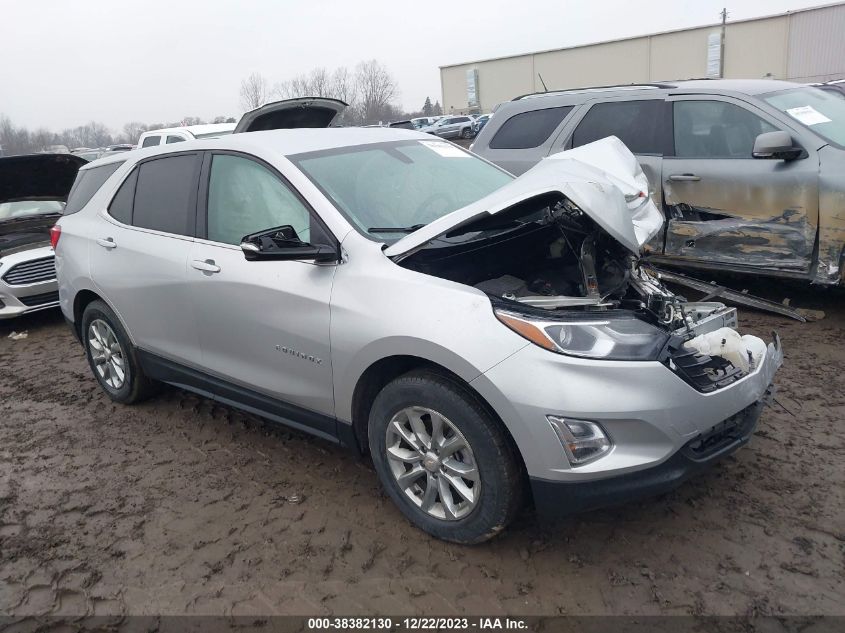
{"points": [[55, 234]]}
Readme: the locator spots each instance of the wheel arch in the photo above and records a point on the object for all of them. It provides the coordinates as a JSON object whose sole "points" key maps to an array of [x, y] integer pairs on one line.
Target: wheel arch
{"points": [[381, 372], [82, 300]]}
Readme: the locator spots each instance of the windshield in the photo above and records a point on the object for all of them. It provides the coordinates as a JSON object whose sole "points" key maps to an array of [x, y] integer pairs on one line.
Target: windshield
{"points": [[401, 184], [27, 208], [823, 113]]}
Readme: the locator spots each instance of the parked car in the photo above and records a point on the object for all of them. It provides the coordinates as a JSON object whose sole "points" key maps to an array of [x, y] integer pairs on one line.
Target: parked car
{"points": [[187, 133], [405, 125], [423, 121], [33, 191], [749, 174], [90, 154], [479, 123], [835, 87], [451, 127], [396, 294]]}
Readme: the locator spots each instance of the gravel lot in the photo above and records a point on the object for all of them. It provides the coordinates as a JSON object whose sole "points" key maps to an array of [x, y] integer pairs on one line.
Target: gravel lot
{"points": [[182, 506]]}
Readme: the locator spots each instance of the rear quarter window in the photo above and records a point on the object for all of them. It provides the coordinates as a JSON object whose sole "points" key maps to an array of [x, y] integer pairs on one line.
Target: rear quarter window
{"points": [[150, 141], [529, 129], [121, 205], [87, 183]]}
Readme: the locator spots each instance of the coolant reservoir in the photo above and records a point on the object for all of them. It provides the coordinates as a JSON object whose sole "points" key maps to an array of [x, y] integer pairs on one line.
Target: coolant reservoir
{"points": [[743, 352]]}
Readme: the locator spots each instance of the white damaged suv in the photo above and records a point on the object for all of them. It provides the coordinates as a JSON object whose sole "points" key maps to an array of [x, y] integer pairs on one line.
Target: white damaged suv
{"points": [[396, 294]]}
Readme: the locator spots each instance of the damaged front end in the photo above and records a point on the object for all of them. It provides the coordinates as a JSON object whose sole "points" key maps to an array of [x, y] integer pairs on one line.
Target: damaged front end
{"points": [[559, 258]]}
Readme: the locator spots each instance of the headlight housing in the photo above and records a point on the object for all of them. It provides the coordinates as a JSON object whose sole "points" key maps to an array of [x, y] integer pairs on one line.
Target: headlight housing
{"points": [[599, 337]]}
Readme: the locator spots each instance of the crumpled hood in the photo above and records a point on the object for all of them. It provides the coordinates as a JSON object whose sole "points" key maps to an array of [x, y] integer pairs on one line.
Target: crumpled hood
{"points": [[597, 177], [38, 176]]}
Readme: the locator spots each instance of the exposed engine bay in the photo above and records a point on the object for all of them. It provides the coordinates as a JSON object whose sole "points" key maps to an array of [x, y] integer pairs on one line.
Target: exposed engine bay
{"points": [[548, 259]]}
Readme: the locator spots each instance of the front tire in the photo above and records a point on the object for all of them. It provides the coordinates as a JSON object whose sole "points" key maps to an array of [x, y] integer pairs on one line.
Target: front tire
{"points": [[443, 459], [112, 357]]}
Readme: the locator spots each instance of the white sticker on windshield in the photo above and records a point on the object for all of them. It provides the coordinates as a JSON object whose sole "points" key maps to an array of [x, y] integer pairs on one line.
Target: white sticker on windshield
{"points": [[445, 149], [808, 115]]}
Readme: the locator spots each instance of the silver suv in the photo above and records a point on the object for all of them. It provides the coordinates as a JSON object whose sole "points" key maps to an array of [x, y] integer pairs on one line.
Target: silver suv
{"points": [[398, 295], [457, 126], [748, 173]]}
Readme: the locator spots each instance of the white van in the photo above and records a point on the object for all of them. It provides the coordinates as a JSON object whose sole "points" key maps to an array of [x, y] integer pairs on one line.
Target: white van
{"points": [[187, 133]]}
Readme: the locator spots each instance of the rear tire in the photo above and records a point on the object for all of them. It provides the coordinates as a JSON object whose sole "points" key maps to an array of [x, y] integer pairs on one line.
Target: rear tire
{"points": [[466, 133], [443, 460], [112, 357]]}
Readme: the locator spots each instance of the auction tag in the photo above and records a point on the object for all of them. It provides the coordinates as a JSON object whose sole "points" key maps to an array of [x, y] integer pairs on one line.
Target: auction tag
{"points": [[808, 115], [445, 149]]}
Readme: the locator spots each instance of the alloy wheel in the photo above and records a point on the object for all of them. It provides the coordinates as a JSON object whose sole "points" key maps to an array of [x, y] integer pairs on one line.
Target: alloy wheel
{"points": [[433, 463], [107, 354]]}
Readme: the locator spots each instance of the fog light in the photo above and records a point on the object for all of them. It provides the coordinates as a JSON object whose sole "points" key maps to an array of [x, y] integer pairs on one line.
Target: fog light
{"points": [[583, 441]]}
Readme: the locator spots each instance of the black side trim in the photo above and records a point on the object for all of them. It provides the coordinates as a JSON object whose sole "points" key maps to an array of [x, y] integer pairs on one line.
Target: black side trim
{"points": [[226, 392], [557, 499], [73, 329]]}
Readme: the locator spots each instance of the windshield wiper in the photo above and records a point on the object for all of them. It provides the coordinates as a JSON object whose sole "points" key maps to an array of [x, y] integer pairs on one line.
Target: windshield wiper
{"points": [[395, 229]]}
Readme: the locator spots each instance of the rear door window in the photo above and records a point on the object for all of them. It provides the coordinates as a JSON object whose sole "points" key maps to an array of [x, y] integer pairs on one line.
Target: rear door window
{"points": [[529, 129], [165, 195], [87, 183], [639, 124], [174, 139]]}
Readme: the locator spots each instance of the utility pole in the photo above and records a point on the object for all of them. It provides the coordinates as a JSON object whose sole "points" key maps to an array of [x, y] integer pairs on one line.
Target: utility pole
{"points": [[724, 15]]}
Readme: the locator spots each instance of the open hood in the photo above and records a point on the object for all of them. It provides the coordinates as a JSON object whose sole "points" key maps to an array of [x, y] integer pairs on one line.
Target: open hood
{"points": [[291, 113], [603, 178], [38, 176]]}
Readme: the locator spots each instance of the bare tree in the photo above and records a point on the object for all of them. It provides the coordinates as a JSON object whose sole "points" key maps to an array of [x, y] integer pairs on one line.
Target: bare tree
{"points": [[132, 131], [376, 89], [253, 91]]}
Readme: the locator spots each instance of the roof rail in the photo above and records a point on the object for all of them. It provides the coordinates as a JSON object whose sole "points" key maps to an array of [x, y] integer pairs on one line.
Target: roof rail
{"points": [[587, 89]]}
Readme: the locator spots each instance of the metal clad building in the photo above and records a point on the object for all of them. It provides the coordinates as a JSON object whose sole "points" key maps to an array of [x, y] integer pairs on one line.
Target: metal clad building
{"points": [[804, 46]]}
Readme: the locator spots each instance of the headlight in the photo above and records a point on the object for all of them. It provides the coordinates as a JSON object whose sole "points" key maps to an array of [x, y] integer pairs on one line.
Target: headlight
{"points": [[611, 338]]}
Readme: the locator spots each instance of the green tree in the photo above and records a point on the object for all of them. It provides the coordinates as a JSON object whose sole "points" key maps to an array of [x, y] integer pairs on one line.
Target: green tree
{"points": [[427, 107]]}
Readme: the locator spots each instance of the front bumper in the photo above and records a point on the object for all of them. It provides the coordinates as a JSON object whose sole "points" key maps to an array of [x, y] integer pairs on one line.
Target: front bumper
{"points": [[555, 499], [649, 412], [17, 299]]}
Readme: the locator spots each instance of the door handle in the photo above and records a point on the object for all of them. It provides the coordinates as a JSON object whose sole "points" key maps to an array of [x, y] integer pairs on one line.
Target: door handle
{"points": [[106, 242], [684, 177], [206, 266]]}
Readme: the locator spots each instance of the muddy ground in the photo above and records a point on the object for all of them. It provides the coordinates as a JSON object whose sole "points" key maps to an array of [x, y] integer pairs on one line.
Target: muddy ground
{"points": [[181, 506]]}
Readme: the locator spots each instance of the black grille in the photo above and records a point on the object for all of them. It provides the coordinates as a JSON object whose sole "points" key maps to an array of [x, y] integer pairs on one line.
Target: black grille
{"points": [[705, 373], [31, 272], [40, 300]]}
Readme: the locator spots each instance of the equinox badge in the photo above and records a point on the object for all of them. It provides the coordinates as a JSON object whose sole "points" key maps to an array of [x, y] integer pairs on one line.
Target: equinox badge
{"points": [[293, 352]]}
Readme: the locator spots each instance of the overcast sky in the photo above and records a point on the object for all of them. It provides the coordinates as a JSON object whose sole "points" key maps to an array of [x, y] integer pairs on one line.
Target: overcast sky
{"points": [[65, 63]]}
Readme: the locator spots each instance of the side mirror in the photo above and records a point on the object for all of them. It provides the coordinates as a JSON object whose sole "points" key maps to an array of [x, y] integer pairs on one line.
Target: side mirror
{"points": [[776, 146], [283, 244]]}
